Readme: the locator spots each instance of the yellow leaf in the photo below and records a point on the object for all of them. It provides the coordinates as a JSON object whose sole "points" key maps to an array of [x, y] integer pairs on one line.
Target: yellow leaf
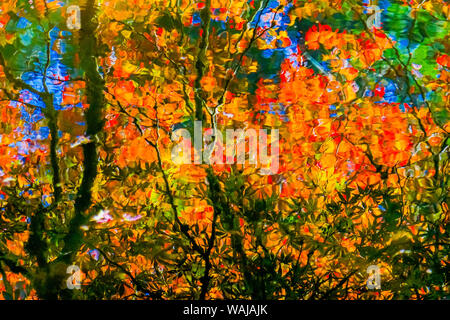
{"points": [[126, 34]]}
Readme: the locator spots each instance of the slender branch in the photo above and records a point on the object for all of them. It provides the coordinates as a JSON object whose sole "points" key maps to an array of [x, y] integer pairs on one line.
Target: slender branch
{"points": [[201, 64], [18, 83], [133, 279], [168, 191]]}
